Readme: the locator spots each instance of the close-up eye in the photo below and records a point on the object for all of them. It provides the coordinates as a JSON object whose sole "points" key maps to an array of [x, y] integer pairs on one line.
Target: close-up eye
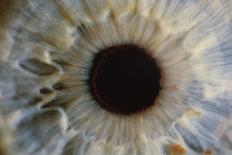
{"points": [[115, 77]]}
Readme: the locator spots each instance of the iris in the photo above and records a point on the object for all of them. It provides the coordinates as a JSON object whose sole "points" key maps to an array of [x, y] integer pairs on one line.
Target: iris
{"points": [[83, 77]]}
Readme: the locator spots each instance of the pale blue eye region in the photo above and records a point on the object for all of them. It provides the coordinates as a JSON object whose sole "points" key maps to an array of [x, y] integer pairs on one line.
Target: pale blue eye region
{"points": [[198, 68], [220, 105]]}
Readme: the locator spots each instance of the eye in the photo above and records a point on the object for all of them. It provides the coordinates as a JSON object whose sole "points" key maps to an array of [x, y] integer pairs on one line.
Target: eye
{"points": [[85, 77]]}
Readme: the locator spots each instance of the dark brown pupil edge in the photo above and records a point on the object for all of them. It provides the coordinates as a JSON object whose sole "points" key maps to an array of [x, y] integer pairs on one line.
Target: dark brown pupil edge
{"points": [[124, 79]]}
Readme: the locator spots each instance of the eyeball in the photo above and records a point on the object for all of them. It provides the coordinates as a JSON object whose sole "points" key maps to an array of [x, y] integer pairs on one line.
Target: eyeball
{"points": [[122, 77]]}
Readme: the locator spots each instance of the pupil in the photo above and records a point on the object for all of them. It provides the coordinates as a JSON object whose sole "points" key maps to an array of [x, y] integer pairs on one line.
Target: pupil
{"points": [[124, 79]]}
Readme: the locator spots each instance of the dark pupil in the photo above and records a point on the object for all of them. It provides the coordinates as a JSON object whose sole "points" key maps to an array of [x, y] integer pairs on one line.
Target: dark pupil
{"points": [[124, 79]]}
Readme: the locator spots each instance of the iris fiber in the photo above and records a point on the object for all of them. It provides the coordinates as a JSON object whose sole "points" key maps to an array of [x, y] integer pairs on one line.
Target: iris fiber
{"points": [[124, 79], [47, 52]]}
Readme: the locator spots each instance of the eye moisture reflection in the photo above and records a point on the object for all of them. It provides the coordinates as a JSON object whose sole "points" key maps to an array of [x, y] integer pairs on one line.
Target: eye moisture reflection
{"points": [[124, 79]]}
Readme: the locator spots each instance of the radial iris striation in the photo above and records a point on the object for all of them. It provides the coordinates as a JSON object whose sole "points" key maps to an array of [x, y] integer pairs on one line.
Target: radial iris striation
{"points": [[120, 77]]}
